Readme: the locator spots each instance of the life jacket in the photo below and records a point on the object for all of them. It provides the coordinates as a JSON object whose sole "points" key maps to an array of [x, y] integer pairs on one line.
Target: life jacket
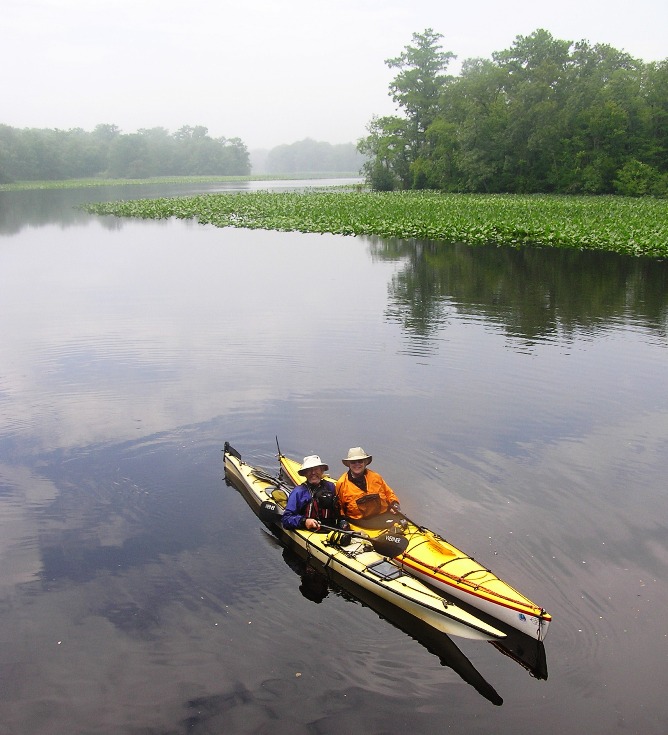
{"points": [[323, 503]]}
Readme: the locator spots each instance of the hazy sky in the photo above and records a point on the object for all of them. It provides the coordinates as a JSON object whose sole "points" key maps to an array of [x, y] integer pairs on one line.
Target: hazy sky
{"points": [[267, 71]]}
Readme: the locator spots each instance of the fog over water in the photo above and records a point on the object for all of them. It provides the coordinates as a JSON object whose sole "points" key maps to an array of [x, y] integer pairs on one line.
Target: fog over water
{"points": [[267, 73]]}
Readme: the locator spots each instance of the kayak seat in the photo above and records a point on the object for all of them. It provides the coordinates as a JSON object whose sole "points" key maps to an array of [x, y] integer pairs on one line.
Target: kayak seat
{"points": [[279, 496]]}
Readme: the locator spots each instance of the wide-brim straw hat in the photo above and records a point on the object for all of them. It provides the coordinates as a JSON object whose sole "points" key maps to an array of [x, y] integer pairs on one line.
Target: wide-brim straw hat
{"points": [[356, 454], [310, 462]]}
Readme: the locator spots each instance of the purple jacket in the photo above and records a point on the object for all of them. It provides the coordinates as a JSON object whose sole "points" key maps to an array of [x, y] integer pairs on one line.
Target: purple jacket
{"points": [[301, 505]]}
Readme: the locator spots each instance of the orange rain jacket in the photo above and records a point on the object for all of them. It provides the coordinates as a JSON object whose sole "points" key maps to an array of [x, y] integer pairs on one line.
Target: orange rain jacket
{"points": [[378, 493]]}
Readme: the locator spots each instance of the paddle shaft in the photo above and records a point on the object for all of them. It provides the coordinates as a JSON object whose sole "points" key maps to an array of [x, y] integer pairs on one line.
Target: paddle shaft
{"points": [[266, 477], [387, 546]]}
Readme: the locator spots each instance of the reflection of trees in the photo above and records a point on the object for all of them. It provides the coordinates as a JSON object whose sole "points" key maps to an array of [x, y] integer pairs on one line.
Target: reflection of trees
{"points": [[41, 207], [530, 293]]}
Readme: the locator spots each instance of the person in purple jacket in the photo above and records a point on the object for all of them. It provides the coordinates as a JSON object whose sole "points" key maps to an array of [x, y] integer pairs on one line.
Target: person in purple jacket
{"points": [[314, 501]]}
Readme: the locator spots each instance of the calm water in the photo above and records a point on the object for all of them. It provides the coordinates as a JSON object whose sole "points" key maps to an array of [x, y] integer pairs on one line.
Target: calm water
{"points": [[517, 402]]}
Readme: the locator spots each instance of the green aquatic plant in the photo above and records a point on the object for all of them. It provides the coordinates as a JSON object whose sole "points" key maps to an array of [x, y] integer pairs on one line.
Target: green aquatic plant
{"points": [[619, 224]]}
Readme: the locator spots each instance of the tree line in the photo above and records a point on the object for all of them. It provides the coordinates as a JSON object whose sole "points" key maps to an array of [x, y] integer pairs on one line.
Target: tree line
{"points": [[310, 156], [545, 115], [47, 155], [52, 155]]}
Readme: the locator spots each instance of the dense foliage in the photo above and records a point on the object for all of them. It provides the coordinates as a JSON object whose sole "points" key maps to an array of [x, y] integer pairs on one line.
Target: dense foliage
{"points": [[46, 155], [545, 115], [621, 224]]}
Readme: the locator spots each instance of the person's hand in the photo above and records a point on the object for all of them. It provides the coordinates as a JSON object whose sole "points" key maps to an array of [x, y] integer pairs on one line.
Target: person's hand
{"points": [[311, 524], [395, 507]]}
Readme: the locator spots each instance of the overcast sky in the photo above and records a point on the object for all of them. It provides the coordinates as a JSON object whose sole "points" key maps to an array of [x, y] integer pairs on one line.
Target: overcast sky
{"points": [[266, 71]]}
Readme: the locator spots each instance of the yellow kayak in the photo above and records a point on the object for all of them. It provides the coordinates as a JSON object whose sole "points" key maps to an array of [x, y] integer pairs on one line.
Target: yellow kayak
{"points": [[363, 560], [433, 560]]}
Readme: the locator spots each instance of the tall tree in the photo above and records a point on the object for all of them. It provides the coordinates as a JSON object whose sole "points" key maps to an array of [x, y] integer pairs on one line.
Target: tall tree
{"points": [[387, 152], [657, 101], [606, 117], [418, 86], [535, 71], [417, 89], [470, 130]]}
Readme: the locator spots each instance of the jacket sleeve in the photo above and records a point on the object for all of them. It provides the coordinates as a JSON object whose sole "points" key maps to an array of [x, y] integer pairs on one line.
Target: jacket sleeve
{"points": [[293, 515], [341, 496], [390, 495]]}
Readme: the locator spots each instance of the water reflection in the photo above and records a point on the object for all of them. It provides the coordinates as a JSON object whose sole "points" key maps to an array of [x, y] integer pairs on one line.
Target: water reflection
{"points": [[317, 581], [40, 207], [517, 399], [23, 493], [531, 294]]}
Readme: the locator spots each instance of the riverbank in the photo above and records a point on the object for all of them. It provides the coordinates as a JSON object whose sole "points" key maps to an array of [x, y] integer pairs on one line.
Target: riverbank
{"points": [[616, 224], [84, 183]]}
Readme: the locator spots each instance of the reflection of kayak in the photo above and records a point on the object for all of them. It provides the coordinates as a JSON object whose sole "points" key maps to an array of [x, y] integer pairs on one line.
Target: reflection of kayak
{"points": [[437, 643], [358, 560], [434, 560], [528, 653]]}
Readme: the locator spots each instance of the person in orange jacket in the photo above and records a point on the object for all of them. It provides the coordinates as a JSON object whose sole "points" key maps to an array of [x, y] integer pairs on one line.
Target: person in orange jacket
{"points": [[363, 493]]}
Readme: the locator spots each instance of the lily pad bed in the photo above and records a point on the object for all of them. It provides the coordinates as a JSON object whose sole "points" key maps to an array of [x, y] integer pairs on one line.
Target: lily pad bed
{"points": [[618, 224]]}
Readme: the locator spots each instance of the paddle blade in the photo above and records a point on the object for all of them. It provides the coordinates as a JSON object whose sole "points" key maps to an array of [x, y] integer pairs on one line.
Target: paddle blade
{"points": [[389, 545], [269, 512]]}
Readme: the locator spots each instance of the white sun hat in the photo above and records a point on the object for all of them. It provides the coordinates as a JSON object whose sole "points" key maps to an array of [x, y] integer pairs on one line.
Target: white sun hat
{"points": [[313, 460], [356, 454]]}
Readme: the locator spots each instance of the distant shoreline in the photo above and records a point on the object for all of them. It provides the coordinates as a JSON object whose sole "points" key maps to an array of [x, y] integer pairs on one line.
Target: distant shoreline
{"points": [[84, 183]]}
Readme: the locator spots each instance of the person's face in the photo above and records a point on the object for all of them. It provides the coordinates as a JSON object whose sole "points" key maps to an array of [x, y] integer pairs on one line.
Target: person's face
{"points": [[357, 467], [314, 475]]}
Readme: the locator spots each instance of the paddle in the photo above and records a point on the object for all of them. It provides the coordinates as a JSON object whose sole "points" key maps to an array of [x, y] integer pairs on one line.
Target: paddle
{"points": [[388, 545], [262, 475]]}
